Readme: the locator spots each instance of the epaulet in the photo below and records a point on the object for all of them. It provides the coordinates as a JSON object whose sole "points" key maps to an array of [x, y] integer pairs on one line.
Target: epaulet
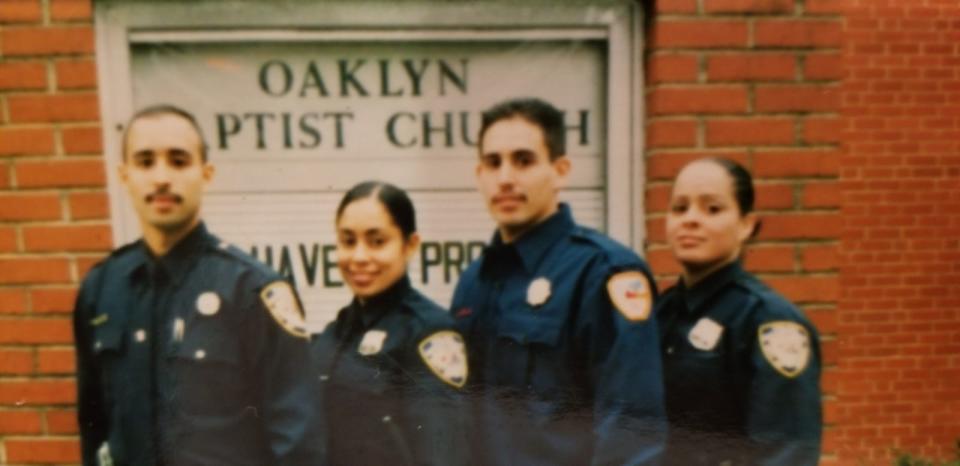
{"points": [[616, 254], [772, 304], [582, 233], [426, 312], [234, 253], [121, 250], [115, 256]]}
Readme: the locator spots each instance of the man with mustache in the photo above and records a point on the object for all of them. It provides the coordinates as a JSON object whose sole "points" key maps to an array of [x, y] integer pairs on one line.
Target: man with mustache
{"points": [[564, 349], [189, 352]]}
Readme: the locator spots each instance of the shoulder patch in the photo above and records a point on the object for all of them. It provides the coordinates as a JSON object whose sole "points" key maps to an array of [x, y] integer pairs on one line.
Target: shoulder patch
{"points": [[283, 305], [630, 293], [786, 346], [446, 356]]}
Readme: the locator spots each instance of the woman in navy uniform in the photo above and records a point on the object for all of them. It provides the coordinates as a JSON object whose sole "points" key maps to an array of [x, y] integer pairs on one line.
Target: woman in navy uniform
{"points": [[391, 365], [741, 364]]}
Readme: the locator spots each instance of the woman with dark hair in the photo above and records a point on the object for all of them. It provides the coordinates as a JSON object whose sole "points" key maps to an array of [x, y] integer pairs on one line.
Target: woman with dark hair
{"points": [[741, 364], [391, 365]]}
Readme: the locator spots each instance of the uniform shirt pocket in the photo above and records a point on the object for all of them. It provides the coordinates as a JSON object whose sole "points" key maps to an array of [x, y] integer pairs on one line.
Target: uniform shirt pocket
{"points": [[208, 373], [107, 341], [107, 346], [532, 353], [532, 325]]}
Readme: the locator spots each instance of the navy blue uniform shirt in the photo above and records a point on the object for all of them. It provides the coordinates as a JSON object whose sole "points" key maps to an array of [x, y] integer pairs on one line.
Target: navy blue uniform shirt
{"points": [[742, 369], [390, 372], [545, 318], [182, 360]]}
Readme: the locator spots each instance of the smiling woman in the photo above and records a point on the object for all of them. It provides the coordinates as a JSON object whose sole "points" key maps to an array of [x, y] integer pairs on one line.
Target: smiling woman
{"points": [[741, 364], [391, 366]]}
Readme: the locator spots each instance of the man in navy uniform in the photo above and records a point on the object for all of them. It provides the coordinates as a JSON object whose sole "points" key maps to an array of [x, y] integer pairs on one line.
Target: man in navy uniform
{"points": [[549, 311], [189, 352]]}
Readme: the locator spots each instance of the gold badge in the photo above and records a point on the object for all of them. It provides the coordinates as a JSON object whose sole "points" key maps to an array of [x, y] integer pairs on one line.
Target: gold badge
{"points": [[705, 334], [446, 356], [372, 342], [538, 292], [208, 303], [630, 293], [786, 346], [99, 320], [283, 305]]}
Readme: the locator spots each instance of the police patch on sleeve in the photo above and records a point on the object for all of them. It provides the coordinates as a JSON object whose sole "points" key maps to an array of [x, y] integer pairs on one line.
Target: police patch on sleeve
{"points": [[630, 293], [445, 354], [786, 346], [284, 307]]}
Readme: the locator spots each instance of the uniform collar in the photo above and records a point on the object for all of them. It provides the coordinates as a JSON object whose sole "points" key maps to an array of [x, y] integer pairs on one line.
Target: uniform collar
{"points": [[374, 308], [694, 298], [177, 262], [533, 245]]}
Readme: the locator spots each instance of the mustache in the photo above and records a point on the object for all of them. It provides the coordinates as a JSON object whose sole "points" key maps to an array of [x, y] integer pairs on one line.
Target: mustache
{"points": [[165, 193]]}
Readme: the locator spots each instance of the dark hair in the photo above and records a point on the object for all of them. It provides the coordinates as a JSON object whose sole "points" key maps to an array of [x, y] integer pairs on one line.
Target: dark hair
{"points": [[742, 183], [536, 111], [743, 190], [394, 199], [165, 109]]}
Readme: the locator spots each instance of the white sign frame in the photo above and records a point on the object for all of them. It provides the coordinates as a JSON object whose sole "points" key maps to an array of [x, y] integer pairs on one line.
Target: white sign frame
{"points": [[119, 24]]}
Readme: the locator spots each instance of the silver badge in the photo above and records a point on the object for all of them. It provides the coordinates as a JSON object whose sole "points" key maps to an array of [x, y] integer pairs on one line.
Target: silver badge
{"points": [[208, 303], [538, 292], [372, 342], [705, 334]]}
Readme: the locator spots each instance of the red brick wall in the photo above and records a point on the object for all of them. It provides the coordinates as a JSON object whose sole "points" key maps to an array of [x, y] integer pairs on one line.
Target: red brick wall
{"points": [[757, 81], [858, 189], [898, 380], [53, 218]]}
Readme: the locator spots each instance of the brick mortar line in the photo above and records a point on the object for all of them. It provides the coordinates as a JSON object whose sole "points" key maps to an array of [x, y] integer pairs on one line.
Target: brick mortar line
{"points": [[41, 378], [739, 116], [15, 193], [57, 223], [45, 125], [746, 15], [57, 346], [53, 25], [715, 116], [41, 286], [733, 83], [55, 157], [824, 147], [826, 49], [33, 255], [805, 242], [49, 93], [47, 13]]}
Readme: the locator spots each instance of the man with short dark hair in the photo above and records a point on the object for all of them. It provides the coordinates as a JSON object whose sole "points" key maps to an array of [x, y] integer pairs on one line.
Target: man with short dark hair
{"points": [[189, 352], [548, 310]]}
